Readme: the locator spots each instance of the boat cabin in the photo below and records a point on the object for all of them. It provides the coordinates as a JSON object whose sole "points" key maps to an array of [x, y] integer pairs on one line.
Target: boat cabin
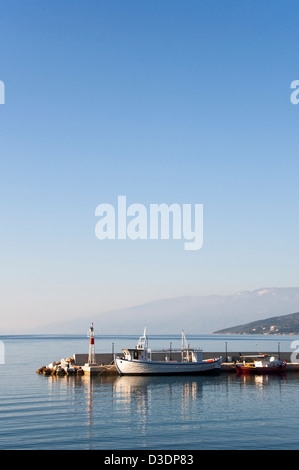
{"points": [[135, 355], [140, 353], [191, 355], [261, 360]]}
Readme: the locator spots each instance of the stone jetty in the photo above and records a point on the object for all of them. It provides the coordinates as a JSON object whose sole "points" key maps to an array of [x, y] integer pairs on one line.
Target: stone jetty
{"points": [[61, 368], [67, 367]]}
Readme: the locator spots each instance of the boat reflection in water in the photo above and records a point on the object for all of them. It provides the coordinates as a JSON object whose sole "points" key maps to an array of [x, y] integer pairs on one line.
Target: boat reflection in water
{"points": [[144, 396], [261, 381]]}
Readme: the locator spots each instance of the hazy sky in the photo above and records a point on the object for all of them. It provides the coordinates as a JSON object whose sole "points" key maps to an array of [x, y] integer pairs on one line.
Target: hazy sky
{"points": [[162, 101]]}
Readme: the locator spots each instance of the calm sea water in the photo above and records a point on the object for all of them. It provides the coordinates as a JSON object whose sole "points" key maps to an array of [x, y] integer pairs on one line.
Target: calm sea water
{"points": [[132, 413]]}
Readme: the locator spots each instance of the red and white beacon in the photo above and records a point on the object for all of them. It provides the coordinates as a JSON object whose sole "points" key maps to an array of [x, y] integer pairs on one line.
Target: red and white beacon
{"points": [[91, 354]]}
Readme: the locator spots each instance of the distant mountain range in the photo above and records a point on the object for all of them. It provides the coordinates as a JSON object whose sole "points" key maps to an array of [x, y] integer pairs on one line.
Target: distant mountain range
{"points": [[195, 315], [282, 325]]}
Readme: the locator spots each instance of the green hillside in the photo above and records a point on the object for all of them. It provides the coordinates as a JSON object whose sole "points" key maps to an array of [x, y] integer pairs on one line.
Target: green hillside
{"points": [[282, 325]]}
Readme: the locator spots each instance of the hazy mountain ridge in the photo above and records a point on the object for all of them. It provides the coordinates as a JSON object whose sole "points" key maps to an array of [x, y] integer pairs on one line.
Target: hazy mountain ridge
{"points": [[194, 314]]}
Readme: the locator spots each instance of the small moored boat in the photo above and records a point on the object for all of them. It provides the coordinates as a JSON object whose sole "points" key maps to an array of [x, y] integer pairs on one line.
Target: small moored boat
{"points": [[260, 364], [138, 361]]}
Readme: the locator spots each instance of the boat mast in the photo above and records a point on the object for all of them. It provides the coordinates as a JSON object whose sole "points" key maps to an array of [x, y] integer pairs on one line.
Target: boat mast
{"points": [[184, 341], [143, 342]]}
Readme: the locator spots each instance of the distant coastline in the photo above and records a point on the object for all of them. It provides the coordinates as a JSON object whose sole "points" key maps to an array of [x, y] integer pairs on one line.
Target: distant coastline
{"points": [[278, 325]]}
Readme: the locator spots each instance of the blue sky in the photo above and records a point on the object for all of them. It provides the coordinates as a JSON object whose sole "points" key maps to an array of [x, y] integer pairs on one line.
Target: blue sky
{"points": [[161, 101]]}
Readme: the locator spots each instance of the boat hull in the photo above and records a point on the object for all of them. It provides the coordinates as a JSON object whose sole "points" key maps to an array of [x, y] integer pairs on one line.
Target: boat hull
{"points": [[137, 367], [241, 369]]}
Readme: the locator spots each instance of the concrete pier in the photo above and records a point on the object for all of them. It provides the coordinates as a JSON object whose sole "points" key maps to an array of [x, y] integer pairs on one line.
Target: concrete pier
{"points": [[104, 363], [106, 366], [107, 358], [92, 369]]}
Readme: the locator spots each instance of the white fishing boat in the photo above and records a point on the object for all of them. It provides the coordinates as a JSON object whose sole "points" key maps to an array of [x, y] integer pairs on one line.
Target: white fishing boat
{"points": [[138, 361]]}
